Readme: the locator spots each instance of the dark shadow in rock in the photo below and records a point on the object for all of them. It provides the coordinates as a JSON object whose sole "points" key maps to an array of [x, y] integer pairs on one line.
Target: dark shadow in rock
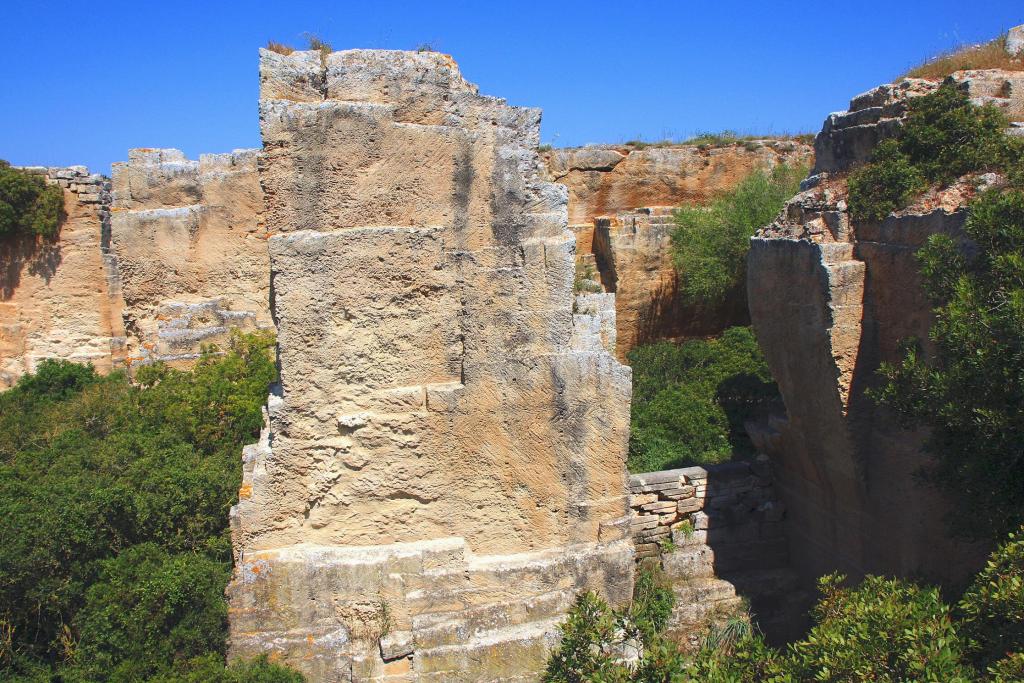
{"points": [[40, 256]]}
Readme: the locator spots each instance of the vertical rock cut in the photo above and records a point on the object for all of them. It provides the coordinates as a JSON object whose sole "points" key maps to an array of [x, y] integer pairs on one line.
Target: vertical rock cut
{"points": [[444, 467]]}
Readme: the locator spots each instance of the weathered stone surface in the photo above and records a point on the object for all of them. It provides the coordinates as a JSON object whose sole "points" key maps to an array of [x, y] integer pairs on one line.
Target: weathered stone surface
{"points": [[446, 442], [191, 250], [733, 527], [620, 203], [59, 299]]}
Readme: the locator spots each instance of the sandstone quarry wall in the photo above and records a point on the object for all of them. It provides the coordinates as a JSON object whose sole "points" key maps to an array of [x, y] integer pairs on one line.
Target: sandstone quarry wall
{"points": [[620, 208], [191, 250], [830, 300], [59, 298], [444, 468], [167, 257], [604, 180], [632, 252]]}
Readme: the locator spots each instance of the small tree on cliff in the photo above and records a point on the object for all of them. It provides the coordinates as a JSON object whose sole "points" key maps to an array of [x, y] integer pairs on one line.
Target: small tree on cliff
{"points": [[710, 243], [28, 205]]}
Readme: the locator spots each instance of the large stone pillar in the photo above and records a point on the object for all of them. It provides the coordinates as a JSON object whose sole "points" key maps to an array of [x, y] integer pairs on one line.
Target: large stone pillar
{"points": [[444, 467]]}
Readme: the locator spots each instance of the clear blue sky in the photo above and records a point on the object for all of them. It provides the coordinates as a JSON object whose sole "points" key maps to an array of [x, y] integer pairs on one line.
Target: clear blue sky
{"points": [[82, 82]]}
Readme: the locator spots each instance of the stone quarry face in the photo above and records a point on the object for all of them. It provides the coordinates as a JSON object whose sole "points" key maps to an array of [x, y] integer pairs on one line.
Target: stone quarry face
{"points": [[831, 299], [444, 464], [621, 200], [60, 299], [190, 249]]}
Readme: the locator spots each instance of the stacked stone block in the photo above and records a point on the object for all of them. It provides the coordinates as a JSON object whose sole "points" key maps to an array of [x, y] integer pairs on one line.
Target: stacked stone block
{"points": [[717, 534]]}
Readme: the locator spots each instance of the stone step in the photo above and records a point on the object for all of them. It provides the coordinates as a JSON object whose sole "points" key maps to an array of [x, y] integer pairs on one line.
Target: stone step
{"points": [[689, 562], [703, 590], [835, 252], [505, 654], [453, 627]]}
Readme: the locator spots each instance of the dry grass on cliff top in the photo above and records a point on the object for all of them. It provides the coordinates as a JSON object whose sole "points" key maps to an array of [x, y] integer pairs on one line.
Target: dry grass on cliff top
{"points": [[280, 48], [991, 55]]}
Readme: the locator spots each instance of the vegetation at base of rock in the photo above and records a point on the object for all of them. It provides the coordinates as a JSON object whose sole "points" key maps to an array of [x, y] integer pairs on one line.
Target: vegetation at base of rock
{"points": [[992, 610], [690, 400], [990, 55], [967, 387], [944, 137], [595, 638], [114, 503], [710, 243], [28, 205], [886, 630]]}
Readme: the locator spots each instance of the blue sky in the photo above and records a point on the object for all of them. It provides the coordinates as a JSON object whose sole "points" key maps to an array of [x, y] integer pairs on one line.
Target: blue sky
{"points": [[82, 82]]}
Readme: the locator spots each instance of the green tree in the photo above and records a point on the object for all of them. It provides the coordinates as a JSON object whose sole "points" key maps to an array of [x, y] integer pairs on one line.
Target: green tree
{"points": [[114, 499], [968, 389], [991, 612], [27, 204], [883, 630], [690, 400], [710, 243]]}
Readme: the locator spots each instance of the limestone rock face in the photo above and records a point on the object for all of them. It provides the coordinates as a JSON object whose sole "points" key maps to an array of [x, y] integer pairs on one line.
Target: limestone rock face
{"points": [[633, 253], [604, 181], [191, 250], [830, 301], [444, 463], [59, 299], [620, 208]]}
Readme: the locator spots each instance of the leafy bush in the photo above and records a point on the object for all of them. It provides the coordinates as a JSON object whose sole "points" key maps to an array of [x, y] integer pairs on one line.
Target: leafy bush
{"points": [[882, 630], [970, 391], [690, 400], [992, 610], [590, 647], [943, 137], [149, 607], [28, 206], [887, 185], [596, 638], [710, 243], [114, 498]]}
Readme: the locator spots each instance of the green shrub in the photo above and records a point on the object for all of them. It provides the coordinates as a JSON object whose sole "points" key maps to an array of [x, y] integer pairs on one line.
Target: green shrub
{"points": [[991, 611], [652, 605], [690, 400], [878, 189], [147, 608], [596, 638], [710, 243], [114, 502], [210, 669], [28, 206], [969, 391], [589, 650], [943, 137], [882, 630]]}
